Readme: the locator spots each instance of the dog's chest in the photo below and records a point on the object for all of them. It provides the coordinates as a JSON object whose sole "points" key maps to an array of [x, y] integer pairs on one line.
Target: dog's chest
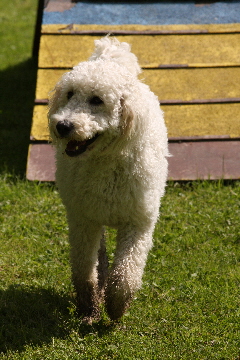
{"points": [[105, 191]]}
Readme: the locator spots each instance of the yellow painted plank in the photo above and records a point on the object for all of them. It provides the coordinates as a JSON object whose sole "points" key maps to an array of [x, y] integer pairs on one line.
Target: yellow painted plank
{"points": [[211, 28], [203, 120], [194, 84], [169, 84], [152, 51], [39, 130], [46, 81], [181, 121]]}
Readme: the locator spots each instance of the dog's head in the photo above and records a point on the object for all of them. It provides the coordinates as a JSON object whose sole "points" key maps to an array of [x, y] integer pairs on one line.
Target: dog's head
{"points": [[92, 105]]}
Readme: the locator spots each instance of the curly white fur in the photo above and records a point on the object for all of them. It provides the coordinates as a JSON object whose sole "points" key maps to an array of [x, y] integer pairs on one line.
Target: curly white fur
{"points": [[111, 144]]}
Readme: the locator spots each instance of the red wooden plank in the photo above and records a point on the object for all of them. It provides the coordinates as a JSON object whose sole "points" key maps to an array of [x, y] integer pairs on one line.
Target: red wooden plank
{"points": [[41, 163], [189, 161], [204, 160]]}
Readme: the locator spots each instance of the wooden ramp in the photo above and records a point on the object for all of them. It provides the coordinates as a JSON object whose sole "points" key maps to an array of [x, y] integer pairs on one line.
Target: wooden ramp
{"points": [[194, 69]]}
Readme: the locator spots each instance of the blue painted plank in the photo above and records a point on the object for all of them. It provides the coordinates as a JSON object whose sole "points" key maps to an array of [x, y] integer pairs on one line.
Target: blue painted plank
{"points": [[146, 13]]}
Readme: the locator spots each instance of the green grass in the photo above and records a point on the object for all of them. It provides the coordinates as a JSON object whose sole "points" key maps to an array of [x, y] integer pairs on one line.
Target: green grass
{"points": [[17, 82], [188, 307]]}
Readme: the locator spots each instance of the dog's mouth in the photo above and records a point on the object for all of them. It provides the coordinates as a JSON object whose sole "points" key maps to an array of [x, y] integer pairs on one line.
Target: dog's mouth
{"points": [[75, 148]]}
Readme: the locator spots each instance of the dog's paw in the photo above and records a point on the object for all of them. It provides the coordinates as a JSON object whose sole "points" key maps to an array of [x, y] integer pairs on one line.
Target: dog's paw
{"points": [[89, 320], [117, 301]]}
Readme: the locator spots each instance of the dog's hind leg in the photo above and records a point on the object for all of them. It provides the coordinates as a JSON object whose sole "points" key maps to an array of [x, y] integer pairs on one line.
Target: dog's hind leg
{"points": [[102, 267], [125, 277], [85, 244]]}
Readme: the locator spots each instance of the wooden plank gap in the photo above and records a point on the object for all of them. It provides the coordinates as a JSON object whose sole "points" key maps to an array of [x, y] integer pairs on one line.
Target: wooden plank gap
{"points": [[132, 32], [192, 66], [156, 67], [138, 29], [200, 101], [41, 101], [201, 138], [56, 68], [173, 101]]}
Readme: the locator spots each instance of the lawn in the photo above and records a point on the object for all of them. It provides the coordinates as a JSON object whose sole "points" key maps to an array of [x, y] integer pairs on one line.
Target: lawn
{"points": [[188, 307]]}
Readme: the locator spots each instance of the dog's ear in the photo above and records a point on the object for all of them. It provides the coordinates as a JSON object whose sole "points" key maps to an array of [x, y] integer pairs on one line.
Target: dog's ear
{"points": [[127, 122]]}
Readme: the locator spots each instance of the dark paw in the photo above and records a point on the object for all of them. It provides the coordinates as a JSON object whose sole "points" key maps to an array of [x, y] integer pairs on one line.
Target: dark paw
{"points": [[117, 303]]}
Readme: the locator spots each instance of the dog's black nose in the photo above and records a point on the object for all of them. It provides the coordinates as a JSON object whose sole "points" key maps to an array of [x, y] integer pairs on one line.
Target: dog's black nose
{"points": [[64, 127]]}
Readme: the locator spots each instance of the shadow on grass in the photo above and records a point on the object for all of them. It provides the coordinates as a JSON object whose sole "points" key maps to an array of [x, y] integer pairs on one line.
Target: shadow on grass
{"points": [[31, 316], [16, 106], [34, 316]]}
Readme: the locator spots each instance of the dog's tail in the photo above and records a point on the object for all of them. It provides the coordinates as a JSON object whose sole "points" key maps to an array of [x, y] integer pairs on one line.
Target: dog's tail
{"points": [[109, 48]]}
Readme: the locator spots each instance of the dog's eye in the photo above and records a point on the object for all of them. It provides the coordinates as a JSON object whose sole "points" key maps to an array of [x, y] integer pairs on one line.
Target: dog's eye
{"points": [[96, 101], [70, 95]]}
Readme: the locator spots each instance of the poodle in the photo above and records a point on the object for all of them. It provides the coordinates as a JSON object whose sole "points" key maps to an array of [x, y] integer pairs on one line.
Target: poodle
{"points": [[111, 154]]}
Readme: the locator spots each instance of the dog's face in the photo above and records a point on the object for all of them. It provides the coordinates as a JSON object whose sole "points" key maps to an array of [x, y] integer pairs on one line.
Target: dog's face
{"points": [[88, 107]]}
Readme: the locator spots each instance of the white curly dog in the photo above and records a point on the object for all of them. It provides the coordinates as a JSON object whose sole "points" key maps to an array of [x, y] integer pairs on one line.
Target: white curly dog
{"points": [[111, 149]]}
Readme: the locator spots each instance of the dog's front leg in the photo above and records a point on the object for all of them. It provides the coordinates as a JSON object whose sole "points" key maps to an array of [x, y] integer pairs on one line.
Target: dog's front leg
{"points": [[85, 243], [125, 277]]}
